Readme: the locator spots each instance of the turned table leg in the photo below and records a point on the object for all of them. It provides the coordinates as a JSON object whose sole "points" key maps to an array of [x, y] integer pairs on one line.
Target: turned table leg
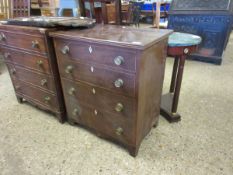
{"points": [[174, 74], [178, 84]]}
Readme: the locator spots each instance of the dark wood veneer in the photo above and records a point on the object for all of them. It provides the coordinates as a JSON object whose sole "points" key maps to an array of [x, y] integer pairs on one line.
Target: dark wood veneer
{"points": [[87, 61], [29, 55]]}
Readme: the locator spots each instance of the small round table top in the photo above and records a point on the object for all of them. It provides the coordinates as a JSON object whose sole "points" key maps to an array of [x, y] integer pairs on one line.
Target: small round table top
{"points": [[178, 39]]}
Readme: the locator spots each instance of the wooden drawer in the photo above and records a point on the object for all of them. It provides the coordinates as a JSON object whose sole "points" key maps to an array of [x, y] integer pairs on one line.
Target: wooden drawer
{"points": [[115, 81], [86, 52], [99, 98], [31, 43], [103, 122], [37, 79], [32, 93], [30, 61]]}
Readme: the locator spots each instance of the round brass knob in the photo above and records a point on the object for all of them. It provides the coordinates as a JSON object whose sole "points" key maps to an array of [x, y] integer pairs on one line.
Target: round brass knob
{"points": [[47, 99], [119, 131], [118, 83], [43, 82], [119, 60], [35, 44], [69, 69], [2, 37], [65, 50], [13, 71], [71, 91], [6, 55], [119, 107], [39, 62], [75, 112]]}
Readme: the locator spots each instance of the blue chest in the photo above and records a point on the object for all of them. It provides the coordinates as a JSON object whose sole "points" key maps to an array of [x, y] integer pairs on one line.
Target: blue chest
{"points": [[210, 19]]}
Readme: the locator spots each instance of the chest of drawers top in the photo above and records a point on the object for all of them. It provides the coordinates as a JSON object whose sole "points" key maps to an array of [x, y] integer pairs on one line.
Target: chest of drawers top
{"points": [[119, 36]]}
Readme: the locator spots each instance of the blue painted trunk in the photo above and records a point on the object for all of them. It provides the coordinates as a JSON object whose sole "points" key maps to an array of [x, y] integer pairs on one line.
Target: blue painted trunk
{"points": [[210, 19]]}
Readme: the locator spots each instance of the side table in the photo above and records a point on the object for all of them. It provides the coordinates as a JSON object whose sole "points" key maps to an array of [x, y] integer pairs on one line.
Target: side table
{"points": [[180, 45]]}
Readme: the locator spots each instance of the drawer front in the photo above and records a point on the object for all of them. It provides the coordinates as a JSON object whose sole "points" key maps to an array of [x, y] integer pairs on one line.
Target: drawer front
{"points": [[46, 99], [99, 98], [103, 122], [29, 61], [114, 81], [106, 55], [31, 43], [41, 80]]}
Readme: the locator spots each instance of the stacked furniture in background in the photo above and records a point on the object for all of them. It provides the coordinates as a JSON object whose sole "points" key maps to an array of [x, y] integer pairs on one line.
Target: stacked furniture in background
{"points": [[112, 79], [5, 6], [29, 55], [20, 8]]}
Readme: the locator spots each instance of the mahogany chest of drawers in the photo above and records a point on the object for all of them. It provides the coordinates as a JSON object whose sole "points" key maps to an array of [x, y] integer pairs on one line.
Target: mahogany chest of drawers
{"points": [[112, 80], [29, 55]]}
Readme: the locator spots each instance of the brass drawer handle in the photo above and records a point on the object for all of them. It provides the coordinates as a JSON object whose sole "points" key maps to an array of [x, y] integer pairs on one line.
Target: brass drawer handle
{"points": [[43, 82], [119, 60], [6, 55], [47, 99], [69, 69], [118, 83], [119, 131], [71, 91], [76, 112], [13, 71], [35, 44], [2, 37], [65, 50], [39, 62], [119, 107]]}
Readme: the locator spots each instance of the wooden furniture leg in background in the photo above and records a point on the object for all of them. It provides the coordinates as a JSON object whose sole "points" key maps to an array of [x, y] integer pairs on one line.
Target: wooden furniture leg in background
{"points": [[174, 74], [157, 19]]}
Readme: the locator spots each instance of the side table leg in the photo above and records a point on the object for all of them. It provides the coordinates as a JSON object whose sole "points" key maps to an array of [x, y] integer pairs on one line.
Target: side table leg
{"points": [[178, 84], [174, 74]]}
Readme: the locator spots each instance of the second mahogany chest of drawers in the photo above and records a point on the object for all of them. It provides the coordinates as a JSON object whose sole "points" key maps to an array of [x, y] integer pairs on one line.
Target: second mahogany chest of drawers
{"points": [[29, 55], [112, 79]]}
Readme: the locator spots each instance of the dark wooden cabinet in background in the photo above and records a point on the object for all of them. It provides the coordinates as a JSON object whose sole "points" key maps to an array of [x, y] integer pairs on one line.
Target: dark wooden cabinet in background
{"points": [[29, 55], [112, 79], [20, 8]]}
